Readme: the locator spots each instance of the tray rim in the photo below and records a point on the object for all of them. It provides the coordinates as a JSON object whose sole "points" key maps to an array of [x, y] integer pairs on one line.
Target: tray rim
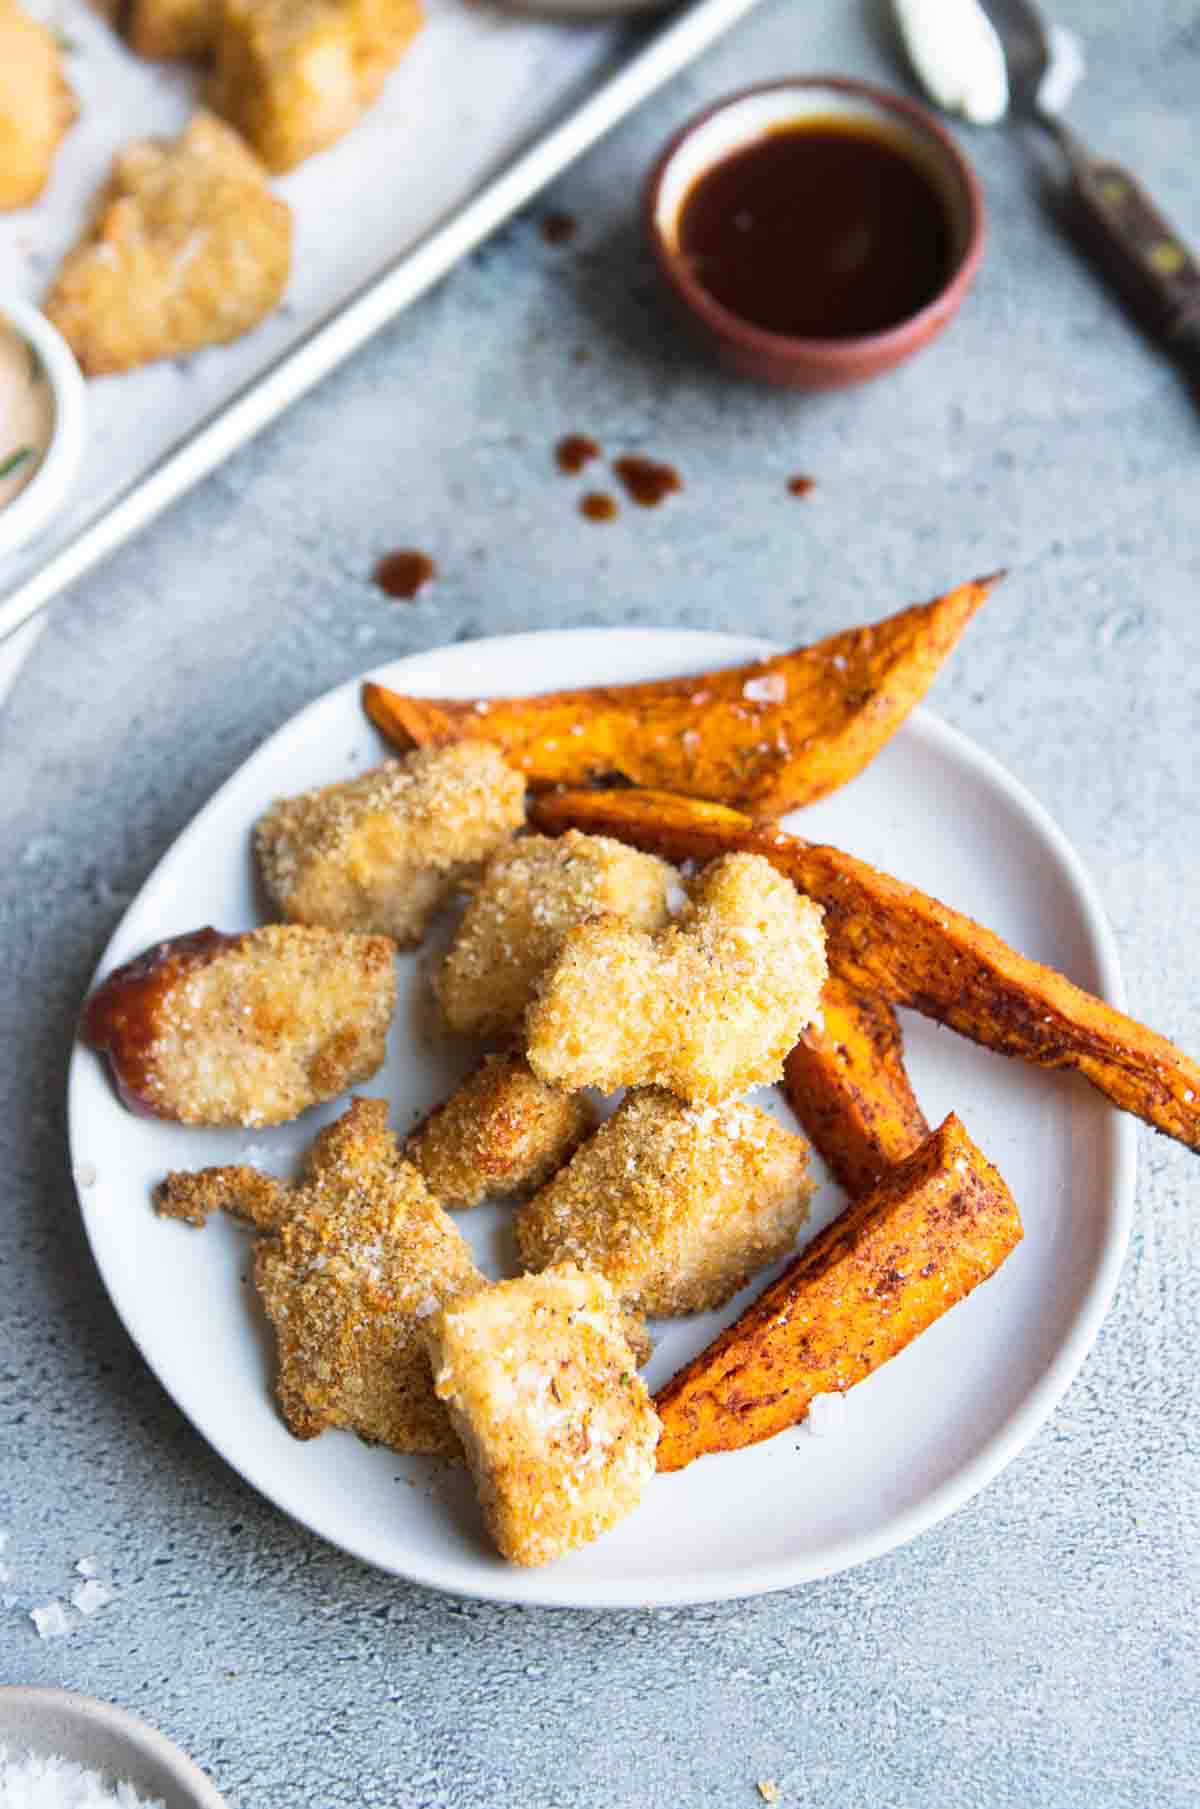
{"points": [[403, 279]]}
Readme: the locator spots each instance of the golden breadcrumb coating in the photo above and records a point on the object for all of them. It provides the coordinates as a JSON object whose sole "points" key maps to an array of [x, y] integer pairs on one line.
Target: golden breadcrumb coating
{"points": [[248, 1029], [36, 105], [367, 1254], [171, 28], [503, 1132], [531, 894], [556, 1423], [191, 1195], [353, 1257], [386, 850], [706, 1008], [188, 247], [677, 1205], [294, 75]]}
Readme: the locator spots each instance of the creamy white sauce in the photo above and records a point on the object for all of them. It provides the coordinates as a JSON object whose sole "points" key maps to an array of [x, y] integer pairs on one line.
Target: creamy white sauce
{"points": [[956, 53], [26, 412]]}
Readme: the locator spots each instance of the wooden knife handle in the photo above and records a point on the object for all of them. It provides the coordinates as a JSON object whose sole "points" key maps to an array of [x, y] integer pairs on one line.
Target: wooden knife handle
{"points": [[1139, 250]]}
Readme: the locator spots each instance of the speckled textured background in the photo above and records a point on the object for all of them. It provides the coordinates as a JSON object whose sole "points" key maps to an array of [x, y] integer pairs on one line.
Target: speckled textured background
{"points": [[1039, 1649]]}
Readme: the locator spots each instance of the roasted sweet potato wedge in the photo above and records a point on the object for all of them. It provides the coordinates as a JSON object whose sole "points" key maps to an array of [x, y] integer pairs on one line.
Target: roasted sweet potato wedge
{"points": [[766, 737], [847, 1084], [937, 1225], [885, 937]]}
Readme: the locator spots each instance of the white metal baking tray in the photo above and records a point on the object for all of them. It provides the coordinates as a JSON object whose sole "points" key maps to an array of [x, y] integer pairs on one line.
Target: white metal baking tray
{"points": [[485, 110]]}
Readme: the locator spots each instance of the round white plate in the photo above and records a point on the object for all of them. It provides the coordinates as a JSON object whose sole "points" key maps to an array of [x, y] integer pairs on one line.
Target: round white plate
{"points": [[919, 1437]]}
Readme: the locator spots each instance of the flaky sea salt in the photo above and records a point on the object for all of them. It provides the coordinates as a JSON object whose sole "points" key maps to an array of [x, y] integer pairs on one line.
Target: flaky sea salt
{"points": [[85, 1567], [826, 1413], [770, 688], [38, 1781], [51, 1620], [91, 1595], [85, 1174]]}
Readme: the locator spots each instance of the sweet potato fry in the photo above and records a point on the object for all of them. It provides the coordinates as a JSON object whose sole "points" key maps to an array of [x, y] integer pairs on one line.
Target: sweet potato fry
{"points": [[885, 937], [767, 737], [846, 1082], [936, 1226]]}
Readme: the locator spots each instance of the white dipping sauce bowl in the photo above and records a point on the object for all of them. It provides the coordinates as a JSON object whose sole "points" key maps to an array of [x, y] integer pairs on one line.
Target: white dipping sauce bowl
{"points": [[61, 1724], [35, 507]]}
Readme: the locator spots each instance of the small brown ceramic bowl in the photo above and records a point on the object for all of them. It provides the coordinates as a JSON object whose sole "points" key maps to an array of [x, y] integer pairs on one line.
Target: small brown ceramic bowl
{"points": [[730, 124]]}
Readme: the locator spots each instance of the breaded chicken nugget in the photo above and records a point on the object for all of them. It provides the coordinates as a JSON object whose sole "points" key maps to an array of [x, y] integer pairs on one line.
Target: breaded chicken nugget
{"points": [[677, 1205], [503, 1132], [247, 1029], [36, 105], [384, 851], [347, 1282], [556, 1424], [188, 247], [706, 1008], [532, 892], [360, 1254], [171, 28], [294, 75]]}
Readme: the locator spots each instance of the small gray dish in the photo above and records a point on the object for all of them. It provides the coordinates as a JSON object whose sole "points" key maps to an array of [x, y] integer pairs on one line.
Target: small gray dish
{"points": [[62, 1724]]}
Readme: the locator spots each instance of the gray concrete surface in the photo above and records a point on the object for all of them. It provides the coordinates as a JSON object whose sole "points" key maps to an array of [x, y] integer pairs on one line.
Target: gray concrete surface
{"points": [[1039, 1649]]}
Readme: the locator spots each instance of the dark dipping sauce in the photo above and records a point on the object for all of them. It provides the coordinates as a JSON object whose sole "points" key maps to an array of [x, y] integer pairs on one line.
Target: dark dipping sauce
{"points": [[820, 230]]}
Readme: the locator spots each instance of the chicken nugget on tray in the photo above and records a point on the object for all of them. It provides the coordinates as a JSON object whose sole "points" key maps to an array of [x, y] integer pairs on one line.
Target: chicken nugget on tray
{"points": [[385, 850], [171, 28], [247, 1029], [187, 247], [705, 1008], [677, 1205], [360, 1254], [532, 892], [294, 75], [503, 1132], [556, 1424], [36, 105]]}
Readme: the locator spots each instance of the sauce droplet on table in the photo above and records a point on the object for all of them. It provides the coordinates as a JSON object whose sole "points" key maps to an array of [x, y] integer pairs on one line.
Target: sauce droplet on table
{"points": [[575, 451], [558, 229], [800, 486], [405, 573], [647, 481], [598, 506]]}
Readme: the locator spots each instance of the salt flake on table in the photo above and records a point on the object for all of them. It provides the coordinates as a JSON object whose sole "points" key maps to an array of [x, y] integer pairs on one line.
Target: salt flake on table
{"points": [[91, 1595], [51, 1620], [86, 1567]]}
